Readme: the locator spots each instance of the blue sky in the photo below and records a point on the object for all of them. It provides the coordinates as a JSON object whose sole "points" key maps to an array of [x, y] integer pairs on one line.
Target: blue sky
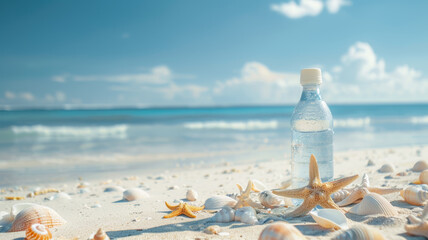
{"points": [[193, 53]]}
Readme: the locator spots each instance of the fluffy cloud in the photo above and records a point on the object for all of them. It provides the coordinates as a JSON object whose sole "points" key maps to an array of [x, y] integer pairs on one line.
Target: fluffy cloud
{"points": [[333, 6], [306, 8], [9, 95]]}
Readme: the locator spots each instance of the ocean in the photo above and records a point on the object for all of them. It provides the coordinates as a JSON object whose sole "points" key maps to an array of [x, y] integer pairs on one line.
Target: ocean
{"points": [[59, 145]]}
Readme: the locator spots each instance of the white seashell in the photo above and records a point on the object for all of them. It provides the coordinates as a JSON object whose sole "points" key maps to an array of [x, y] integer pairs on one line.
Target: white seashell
{"points": [[420, 166], [99, 235], [414, 195], [423, 177], [270, 200], [38, 232], [374, 203], [226, 214], [60, 195], [386, 168], [246, 215], [340, 195], [191, 195], [330, 218], [360, 232], [218, 202], [36, 214], [114, 189], [133, 194], [258, 185], [213, 229], [281, 231]]}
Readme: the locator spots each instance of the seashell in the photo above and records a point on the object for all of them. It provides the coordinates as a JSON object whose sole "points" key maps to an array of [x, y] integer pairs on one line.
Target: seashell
{"points": [[114, 189], [226, 214], [374, 203], [340, 195], [60, 195], [423, 177], [213, 229], [386, 168], [258, 185], [36, 214], [414, 195], [100, 235], [38, 231], [420, 166], [246, 215], [191, 195], [417, 229], [218, 202], [360, 232], [270, 200], [133, 194], [330, 218], [281, 231]]}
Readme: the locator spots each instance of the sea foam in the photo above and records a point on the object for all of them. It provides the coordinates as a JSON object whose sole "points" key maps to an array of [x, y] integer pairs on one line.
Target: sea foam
{"points": [[235, 125]]}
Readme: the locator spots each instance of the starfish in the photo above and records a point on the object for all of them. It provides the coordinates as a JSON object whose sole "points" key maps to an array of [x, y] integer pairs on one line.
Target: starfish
{"points": [[316, 192], [244, 199], [360, 191], [182, 208]]}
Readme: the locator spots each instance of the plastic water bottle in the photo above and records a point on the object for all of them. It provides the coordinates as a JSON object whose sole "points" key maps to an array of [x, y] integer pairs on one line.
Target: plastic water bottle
{"points": [[312, 131]]}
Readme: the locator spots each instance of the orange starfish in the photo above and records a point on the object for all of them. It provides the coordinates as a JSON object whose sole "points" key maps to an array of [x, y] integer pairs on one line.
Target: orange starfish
{"points": [[182, 208], [316, 192]]}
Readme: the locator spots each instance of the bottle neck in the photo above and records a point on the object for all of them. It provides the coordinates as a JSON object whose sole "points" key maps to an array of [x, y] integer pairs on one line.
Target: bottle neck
{"points": [[311, 93]]}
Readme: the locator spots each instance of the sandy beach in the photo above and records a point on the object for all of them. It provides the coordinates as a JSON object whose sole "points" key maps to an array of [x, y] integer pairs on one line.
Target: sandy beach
{"points": [[91, 208]]}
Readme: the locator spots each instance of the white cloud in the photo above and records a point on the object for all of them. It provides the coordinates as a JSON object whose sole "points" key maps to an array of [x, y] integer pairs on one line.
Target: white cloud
{"points": [[333, 6], [9, 95], [56, 97], [60, 78], [27, 96], [294, 10]]}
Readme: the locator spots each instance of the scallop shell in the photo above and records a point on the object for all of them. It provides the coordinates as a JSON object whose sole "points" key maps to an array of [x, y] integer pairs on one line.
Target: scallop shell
{"points": [[414, 195], [246, 215], [191, 195], [420, 166], [226, 214], [281, 231], [417, 229], [374, 203], [133, 194], [270, 200], [100, 235], [386, 168], [218, 202], [360, 232], [330, 218], [38, 232], [36, 214], [114, 189], [340, 195]]}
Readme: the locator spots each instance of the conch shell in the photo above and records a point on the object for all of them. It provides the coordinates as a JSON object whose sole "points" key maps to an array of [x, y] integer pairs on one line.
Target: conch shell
{"points": [[414, 195], [330, 218], [340, 195], [374, 203], [270, 200], [281, 231], [191, 195], [36, 214], [226, 214], [100, 235], [38, 232], [360, 232]]}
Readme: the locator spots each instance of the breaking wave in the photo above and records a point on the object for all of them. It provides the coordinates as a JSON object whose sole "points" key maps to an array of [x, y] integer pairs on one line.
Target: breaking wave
{"points": [[419, 120], [352, 122]]}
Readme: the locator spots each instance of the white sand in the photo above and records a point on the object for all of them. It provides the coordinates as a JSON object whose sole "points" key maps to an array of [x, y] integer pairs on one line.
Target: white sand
{"points": [[142, 219]]}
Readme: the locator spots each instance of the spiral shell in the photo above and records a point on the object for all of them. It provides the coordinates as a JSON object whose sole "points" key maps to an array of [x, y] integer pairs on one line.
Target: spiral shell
{"points": [[38, 232], [330, 218], [133, 194], [360, 232], [191, 195], [340, 195], [414, 195], [36, 214], [226, 214], [246, 215], [218, 202], [281, 231], [100, 235], [420, 166], [374, 203], [386, 168], [270, 200]]}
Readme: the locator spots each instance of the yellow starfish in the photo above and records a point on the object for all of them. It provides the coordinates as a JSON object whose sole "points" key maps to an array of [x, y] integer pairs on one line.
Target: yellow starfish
{"points": [[182, 208], [316, 192], [244, 199]]}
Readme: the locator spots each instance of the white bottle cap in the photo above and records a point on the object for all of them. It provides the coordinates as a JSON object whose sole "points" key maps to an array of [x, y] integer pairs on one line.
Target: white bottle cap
{"points": [[310, 76]]}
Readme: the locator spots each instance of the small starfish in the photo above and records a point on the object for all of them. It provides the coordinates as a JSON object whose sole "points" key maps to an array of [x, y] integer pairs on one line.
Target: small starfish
{"points": [[244, 199], [182, 208], [316, 192], [360, 191]]}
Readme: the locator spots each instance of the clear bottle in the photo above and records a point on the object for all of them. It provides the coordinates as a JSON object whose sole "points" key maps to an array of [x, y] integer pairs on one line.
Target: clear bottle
{"points": [[312, 131]]}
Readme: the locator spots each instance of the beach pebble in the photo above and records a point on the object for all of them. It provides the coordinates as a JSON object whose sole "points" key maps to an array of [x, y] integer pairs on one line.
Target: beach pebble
{"points": [[420, 166], [370, 163], [175, 187], [386, 168], [133, 194], [84, 190], [191, 195], [96, 205]]}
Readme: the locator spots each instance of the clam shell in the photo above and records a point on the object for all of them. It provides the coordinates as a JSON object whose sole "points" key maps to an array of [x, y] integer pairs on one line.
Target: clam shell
{"points": [[340, 195], [133, 194], [246, 215], [281, 231], [374, 203], [330, 218], [386, 168], [100, 235], [417, 229], [360, 232], [226, 214], [38, 232], [218, 202], [191, 195], [114, 189], [270, 200], [414, 195], [36, 214], [420, 166]]}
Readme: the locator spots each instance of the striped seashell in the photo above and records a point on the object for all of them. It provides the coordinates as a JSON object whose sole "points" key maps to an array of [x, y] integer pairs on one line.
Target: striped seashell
{"points": [[246, 215], [226, 214], [414, 195], [36, 214], [38, 232], [340, 195], [191, 195], [330, 219], [417, 229], [281, 231], [386, 168], [420, 166], [114, 189], [133, 194], [218, 202], [360, 232], [270, 200], [100, 235], [374, 203]]}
